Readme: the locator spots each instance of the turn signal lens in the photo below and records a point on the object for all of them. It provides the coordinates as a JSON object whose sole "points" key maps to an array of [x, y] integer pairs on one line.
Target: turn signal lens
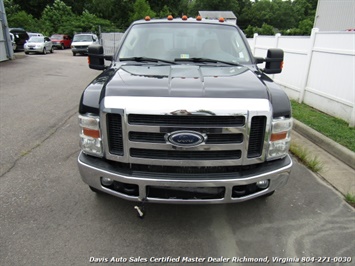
{"points": [[91, 133], [278, 136]]}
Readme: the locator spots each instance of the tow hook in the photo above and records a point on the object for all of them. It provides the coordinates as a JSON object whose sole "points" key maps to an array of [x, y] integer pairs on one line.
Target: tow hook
{"points": [[140, 209]]}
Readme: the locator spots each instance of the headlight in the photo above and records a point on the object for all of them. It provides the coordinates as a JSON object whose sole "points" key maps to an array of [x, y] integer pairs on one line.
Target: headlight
{"points": [[90, 136], [279, 142]]}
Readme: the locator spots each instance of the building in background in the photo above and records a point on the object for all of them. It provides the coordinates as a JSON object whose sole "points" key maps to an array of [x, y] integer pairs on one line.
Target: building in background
{"points": [[335, 15], [227, 15], [6, 50]]}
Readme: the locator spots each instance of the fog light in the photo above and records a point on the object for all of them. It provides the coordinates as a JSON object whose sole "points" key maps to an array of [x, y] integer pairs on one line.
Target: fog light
{"points": [[105, 181], [262, 184]]}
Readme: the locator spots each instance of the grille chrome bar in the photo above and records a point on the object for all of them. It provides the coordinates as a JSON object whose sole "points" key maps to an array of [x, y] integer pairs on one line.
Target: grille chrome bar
{"points": [[211, 138], [183, 120], [255, 126], [185, 155]]}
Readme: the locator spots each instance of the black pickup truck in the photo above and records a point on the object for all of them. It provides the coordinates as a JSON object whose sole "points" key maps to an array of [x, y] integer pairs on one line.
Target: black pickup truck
{"points": [[183, 114]]}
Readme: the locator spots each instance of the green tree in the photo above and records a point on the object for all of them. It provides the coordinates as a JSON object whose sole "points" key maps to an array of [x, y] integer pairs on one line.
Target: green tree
{"points": [[33, 7], [11, 8], [141, 9], [265, 29], [118, 12], [164, 12], [23, 20], [283, 16], [88, 22], [54, 16], [287, 16], [243, 19], [176, 7]]}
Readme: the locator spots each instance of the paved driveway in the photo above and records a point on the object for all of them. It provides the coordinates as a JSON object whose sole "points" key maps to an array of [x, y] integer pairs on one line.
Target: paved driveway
{"points": [[48, 216]]}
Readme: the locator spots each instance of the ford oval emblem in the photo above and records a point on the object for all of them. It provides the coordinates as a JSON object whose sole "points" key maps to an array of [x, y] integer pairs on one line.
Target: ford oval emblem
{"points": [[186, 138]]}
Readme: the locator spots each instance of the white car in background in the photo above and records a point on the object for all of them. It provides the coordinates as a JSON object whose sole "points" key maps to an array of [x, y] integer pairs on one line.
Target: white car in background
{"points": [[82, 41], [32, 34], [38, 44]]}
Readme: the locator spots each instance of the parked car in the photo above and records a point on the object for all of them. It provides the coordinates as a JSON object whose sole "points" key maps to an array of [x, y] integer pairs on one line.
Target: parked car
{"points": [[82, 41], [31, 34], [61, 41], [39, 44], [20, 36]]}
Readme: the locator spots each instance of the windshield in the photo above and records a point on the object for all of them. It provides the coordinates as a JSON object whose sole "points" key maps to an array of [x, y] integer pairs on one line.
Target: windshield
{"points": [[57, 37], [36, 39], [184, 42], [83, 38]]}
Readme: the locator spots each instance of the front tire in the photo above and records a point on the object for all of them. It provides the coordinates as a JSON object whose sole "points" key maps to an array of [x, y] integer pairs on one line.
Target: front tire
{"points": [[62, 47], [51, 50], [74, 54], [44, 51]]}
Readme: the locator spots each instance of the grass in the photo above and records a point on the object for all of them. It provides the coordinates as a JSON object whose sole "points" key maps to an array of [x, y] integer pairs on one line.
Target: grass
{"points": [[312, 162], [350, 199], [332, 127]]}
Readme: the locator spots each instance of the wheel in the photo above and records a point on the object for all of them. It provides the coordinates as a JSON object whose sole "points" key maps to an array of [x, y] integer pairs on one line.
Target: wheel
{"points": [[62, 47], [44, 50], [51, 50], [74, 54], [26, 52]]}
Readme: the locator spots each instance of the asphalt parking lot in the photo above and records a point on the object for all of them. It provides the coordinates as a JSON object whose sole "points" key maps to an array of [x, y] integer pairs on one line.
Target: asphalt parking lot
{"points": [[48, 216]]}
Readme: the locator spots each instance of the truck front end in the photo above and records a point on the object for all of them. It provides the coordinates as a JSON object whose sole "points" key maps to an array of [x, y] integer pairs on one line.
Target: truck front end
{"points": [[180, 126]]}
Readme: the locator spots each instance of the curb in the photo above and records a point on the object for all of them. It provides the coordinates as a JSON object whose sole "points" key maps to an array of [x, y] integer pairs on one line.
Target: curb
{"points": [[340, 152]]}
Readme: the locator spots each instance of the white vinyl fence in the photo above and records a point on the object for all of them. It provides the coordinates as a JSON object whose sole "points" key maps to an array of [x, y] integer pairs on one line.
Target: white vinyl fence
{"points": [[319, 70]]}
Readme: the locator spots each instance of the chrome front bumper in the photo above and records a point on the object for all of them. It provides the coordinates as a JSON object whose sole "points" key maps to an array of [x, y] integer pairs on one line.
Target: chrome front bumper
{"points": [[93, 169]]}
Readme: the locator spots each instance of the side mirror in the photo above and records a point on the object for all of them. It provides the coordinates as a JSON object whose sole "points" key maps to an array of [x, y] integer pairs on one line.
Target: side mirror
{"points": [[274, 61], [96, 57]]}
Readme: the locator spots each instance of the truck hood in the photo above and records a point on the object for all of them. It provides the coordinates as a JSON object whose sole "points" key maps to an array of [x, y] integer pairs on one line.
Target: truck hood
{"points": [[185, 81]]}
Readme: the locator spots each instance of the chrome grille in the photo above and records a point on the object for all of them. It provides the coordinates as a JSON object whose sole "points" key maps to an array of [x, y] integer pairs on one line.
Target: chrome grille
{"points": [[141, 139]]}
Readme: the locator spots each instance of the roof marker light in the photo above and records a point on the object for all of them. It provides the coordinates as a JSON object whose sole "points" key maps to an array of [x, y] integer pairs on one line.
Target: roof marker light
{"points": [[170, 17], [221, 19], [184, 17], [147, 18], [198, 18]]}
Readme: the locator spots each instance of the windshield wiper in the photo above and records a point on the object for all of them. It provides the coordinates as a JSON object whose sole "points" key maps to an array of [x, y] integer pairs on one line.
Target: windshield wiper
{"points": [[146, 59], [205, 60]]}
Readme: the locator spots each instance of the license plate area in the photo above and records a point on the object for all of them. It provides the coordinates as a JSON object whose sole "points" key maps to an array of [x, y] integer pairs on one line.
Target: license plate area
{"points": [[185, 193]]}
